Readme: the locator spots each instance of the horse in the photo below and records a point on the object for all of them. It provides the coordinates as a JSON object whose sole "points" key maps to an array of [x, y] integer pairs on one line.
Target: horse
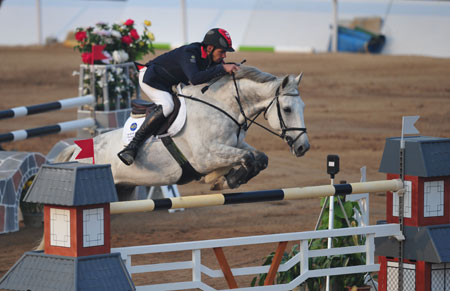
{"points": [[212, 138]]}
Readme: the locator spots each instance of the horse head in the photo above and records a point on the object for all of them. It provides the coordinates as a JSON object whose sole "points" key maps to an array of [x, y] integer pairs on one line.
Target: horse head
{"points": [[285, 115]]}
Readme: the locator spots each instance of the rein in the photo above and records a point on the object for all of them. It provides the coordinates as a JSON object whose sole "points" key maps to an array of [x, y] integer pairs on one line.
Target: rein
{"points": [[245, 126]]}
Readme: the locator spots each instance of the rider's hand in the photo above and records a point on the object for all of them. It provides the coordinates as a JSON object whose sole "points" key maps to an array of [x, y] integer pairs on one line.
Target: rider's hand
{"points": [[230, 68]]}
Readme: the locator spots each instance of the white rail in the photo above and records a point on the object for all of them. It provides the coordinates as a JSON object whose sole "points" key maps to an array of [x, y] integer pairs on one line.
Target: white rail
{"points": [[301, 258]]}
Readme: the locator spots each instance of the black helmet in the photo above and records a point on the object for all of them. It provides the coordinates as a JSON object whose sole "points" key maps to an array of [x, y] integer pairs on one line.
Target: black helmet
{"points": [[219, 38]]}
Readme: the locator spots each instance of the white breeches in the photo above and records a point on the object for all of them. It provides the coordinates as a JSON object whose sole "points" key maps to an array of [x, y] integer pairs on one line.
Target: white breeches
{"points": [[160, 97]]}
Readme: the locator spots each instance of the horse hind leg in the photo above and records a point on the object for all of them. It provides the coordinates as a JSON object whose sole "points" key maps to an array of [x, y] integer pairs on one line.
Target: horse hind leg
{"points": [[125, 192], [216, 178], [41, 245], [214, 175]]}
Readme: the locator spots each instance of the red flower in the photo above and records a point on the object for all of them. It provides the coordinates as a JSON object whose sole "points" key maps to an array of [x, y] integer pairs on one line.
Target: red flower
{"points": [[129, 22], [80, 35], [86, 58], [127, 39], [134, 34]]}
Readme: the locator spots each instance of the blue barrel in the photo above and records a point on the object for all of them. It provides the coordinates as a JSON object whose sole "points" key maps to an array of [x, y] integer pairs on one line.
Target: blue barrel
{"points": [[359, 41]]}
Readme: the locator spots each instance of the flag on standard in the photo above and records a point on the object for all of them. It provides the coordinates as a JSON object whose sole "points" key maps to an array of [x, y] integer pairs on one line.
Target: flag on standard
{"points": [[408, 125]]}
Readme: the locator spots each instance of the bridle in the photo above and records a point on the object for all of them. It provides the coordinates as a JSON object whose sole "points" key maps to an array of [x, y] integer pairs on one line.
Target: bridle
{"points": [[245, 125], [283, 126]]}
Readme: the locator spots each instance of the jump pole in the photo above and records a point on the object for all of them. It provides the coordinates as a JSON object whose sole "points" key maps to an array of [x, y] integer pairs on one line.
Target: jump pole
{"points": [[255, 196], [49, 129], [45, 107]]}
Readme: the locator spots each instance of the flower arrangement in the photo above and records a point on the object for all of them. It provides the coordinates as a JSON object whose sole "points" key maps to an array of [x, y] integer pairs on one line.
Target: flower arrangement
{"points": [[114, 46], [121, 42]]}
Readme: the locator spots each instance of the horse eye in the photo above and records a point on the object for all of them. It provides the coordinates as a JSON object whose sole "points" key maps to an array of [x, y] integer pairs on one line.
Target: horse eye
{"points": [[287, 109]]}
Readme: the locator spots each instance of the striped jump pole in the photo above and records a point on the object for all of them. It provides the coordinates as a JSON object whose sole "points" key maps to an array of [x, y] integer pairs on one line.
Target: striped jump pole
{"points": [[255, 196], [45, 107], [49, 129]]}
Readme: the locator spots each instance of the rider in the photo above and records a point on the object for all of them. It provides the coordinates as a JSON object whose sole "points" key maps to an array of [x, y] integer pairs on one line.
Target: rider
{"points": [[194, 63]]}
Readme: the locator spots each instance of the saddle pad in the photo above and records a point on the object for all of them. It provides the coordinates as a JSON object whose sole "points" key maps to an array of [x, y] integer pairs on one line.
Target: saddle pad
{"points": [[133, 123]]}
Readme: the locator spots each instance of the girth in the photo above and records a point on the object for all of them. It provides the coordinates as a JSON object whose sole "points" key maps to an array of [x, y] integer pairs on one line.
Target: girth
{"points": [[188, 172]]}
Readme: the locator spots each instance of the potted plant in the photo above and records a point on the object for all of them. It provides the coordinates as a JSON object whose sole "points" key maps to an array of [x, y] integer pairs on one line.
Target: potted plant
{"points": [[342, 282], [32, 213]]}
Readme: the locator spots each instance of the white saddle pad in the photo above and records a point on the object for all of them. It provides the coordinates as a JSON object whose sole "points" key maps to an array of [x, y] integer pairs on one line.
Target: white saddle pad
{"points": [[132, 124]]}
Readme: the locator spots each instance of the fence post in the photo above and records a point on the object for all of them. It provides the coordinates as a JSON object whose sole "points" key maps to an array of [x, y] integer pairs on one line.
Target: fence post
{"points": [[196, 266], [370, 248], [304, 256]]}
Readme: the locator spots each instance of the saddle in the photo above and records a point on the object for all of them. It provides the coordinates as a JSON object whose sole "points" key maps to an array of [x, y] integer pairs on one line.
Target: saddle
{"points": [[140, 108]]}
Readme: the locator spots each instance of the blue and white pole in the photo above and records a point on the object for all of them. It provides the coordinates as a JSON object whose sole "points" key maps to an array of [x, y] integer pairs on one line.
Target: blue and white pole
{"points": [[50, 129], [45, 107]]}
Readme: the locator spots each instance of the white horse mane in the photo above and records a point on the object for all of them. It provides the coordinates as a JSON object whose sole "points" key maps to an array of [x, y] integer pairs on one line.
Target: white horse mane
{"points": [[254, 74]]}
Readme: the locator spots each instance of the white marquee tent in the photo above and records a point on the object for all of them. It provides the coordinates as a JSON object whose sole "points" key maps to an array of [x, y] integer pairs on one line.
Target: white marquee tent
{"points": [[410, 27]]}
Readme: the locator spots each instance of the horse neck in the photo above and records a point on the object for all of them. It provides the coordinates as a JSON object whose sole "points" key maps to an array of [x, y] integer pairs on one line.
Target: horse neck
{"points": [[255, 97]]}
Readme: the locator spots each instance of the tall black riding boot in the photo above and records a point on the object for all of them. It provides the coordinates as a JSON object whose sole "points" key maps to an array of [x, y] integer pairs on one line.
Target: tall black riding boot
{"points": [[148, 128]]}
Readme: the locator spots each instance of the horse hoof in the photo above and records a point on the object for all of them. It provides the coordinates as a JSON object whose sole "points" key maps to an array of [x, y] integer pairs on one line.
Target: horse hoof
{"points": [[219, 184], [217, 187], [262, 160], [235, 178]]}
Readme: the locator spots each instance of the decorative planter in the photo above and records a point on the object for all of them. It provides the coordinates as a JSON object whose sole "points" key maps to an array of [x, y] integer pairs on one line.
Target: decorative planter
{"points": [[103, 80], [106, 115]]}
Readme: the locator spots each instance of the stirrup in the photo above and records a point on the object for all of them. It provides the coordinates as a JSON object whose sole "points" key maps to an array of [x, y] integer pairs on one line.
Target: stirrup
{"points": [[126, 157]]}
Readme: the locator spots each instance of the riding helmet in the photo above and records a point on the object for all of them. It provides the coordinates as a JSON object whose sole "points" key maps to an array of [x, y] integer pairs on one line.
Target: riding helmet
{"points": [[219, 38]]}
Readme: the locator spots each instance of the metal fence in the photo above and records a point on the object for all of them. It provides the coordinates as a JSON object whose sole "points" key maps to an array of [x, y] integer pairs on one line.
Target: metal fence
{"points": [[440, 277], [409, 276]]}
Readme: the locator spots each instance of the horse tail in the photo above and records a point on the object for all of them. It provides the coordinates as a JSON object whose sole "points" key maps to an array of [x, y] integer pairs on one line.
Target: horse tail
{"points": [[65, 154], [40, 247]]}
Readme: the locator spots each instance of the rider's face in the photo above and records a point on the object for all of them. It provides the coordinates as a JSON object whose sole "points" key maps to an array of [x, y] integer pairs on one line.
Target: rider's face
{"points": [[218, 55]]}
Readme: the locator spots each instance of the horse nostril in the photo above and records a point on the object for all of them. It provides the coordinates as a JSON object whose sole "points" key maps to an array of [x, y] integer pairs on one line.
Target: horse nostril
{"points": [[300, 149], [289, 141]]}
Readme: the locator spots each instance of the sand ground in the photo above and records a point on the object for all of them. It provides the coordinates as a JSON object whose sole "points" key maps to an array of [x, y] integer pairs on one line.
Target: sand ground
{"points": [[353, 103]]}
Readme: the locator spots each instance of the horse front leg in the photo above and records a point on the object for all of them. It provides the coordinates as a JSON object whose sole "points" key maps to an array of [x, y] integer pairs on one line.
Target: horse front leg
{"points": [[249, 161], [252, 165], [261, 159]]}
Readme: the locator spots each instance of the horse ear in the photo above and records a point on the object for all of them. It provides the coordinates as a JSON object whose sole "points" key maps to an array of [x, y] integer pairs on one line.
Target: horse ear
{"points": [[299, 78], [285, 82]]}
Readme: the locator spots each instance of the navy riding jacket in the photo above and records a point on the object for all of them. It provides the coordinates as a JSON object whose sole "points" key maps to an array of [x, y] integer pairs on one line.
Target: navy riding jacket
{"points": [[186, 64]]}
